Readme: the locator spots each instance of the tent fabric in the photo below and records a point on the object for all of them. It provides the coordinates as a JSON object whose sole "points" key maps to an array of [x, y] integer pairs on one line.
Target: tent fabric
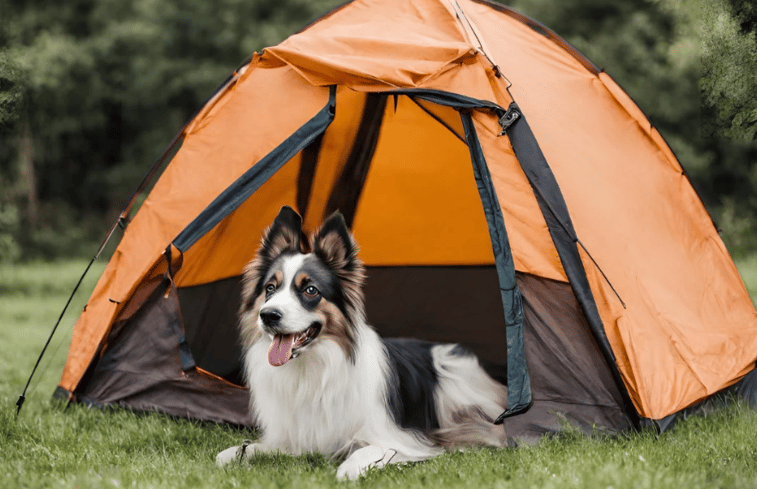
{"points": [[186, 187], [636, 212], [678, 321], [244, 186], [567, 367], [133, 376], [555, 211]]}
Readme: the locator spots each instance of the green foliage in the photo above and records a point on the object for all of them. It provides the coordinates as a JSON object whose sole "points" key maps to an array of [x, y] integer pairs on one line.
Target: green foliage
{"points": [[736, 230], [729, 64], [11, 92], [108, 83], [747, 266], [10, 223]]}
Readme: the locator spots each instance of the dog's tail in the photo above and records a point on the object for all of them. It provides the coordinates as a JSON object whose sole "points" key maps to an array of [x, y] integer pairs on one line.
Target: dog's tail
{"points": [[471, 426], [466, 398]]}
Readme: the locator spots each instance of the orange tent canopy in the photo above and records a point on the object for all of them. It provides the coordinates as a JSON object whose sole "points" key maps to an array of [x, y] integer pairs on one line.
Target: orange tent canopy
{"points": [[669, 300]]}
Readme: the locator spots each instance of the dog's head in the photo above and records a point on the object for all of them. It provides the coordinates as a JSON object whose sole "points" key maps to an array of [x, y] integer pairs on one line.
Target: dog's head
{"points": [[298, 292]]}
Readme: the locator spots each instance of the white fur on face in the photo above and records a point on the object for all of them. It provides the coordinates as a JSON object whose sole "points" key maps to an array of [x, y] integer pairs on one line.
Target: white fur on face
{"points": [[295, 318]]}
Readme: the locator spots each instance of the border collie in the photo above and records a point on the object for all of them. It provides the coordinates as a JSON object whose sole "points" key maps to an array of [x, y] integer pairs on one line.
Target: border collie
{"points": [[322, 380]]}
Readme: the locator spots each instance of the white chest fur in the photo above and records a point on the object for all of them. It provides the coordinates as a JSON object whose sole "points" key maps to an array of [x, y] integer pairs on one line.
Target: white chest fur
{"points": [[319, 401]]}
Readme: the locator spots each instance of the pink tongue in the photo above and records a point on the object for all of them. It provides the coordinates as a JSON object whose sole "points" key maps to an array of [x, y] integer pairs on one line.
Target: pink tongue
{"points": [[280, 351]]}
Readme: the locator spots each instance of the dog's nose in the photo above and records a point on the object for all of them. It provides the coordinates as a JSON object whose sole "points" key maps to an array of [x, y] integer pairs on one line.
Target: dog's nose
{"points": [[270, 317]]}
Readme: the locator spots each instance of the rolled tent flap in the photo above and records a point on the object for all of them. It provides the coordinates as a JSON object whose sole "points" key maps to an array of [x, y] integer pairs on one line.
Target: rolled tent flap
{"points": [[408, 44], [519, 395], [244, 186]]}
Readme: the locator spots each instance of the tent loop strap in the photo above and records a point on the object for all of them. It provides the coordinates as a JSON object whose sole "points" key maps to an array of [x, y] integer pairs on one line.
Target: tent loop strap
{"points": [[185, 351], [169, 271], [471, 30]]}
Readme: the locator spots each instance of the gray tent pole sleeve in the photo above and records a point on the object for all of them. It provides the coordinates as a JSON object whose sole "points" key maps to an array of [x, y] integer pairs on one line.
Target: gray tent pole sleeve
{"points": [[519, 395]]}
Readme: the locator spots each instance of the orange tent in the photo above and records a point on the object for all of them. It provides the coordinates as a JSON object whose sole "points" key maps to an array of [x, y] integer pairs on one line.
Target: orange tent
{"points": [[505, 192]]}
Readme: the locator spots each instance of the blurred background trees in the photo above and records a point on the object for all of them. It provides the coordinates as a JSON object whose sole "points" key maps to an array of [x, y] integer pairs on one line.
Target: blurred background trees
{"points": [[91, 92]]}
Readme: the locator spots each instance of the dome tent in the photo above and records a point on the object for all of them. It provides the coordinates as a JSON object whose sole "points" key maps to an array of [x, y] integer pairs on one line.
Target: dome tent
{"points": [[506, 195]]}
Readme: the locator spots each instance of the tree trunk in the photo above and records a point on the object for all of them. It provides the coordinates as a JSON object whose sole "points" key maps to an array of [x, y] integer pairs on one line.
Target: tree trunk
{"points": [[29, 176]]}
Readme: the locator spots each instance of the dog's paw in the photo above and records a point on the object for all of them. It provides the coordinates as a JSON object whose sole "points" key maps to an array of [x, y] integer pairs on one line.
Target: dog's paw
{"points": [[363, 459], [236, 454]]}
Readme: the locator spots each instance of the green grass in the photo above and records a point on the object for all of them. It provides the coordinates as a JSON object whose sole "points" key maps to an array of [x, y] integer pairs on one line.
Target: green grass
{"points": [[48, 446]]}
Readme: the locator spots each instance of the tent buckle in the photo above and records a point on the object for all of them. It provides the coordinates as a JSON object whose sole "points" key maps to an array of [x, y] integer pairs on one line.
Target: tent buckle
{"points": [[508, 118]]}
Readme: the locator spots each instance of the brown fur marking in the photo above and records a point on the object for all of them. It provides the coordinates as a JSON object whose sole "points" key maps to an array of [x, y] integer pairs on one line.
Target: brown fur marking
{"points": [[337, 328], [339, 256], [300, 279]]}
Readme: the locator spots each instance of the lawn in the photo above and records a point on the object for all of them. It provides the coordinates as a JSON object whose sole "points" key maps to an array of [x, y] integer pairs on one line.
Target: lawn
{"points": [[48, 446]]}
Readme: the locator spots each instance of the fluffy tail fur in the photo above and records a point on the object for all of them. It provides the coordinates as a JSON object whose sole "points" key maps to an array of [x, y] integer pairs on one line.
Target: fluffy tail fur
{"points": [[471, 426]]}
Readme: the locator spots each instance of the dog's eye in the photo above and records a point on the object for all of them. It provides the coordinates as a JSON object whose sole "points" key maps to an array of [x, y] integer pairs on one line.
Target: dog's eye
{"points": [[270, 289], [310, 291]]}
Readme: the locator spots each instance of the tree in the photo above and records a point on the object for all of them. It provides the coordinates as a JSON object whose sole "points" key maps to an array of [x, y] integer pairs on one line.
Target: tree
{"points": [[11, 102], [91, 91], [729, 62], [108, 83]]}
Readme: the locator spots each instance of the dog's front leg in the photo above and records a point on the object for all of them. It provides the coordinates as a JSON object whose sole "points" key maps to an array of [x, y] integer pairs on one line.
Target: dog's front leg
{"points": [[366, 458], [236, 454]]}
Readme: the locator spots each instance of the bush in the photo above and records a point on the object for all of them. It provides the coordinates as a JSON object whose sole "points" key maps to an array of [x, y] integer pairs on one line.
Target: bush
{"points": [[737, 230], [66, 233]]}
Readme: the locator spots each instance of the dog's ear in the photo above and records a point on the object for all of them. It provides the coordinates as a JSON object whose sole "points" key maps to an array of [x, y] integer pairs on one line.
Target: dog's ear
{"points": [[334, 245], [285, 234]]}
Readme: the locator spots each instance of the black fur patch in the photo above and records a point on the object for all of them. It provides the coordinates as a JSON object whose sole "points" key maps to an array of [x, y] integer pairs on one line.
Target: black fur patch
{"points": [[285, 236], [326, 282], [460, 351], [411, 383]]}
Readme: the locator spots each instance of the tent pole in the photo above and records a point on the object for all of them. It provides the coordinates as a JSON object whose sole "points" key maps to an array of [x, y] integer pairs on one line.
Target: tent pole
{"points": [[22, 397]]}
